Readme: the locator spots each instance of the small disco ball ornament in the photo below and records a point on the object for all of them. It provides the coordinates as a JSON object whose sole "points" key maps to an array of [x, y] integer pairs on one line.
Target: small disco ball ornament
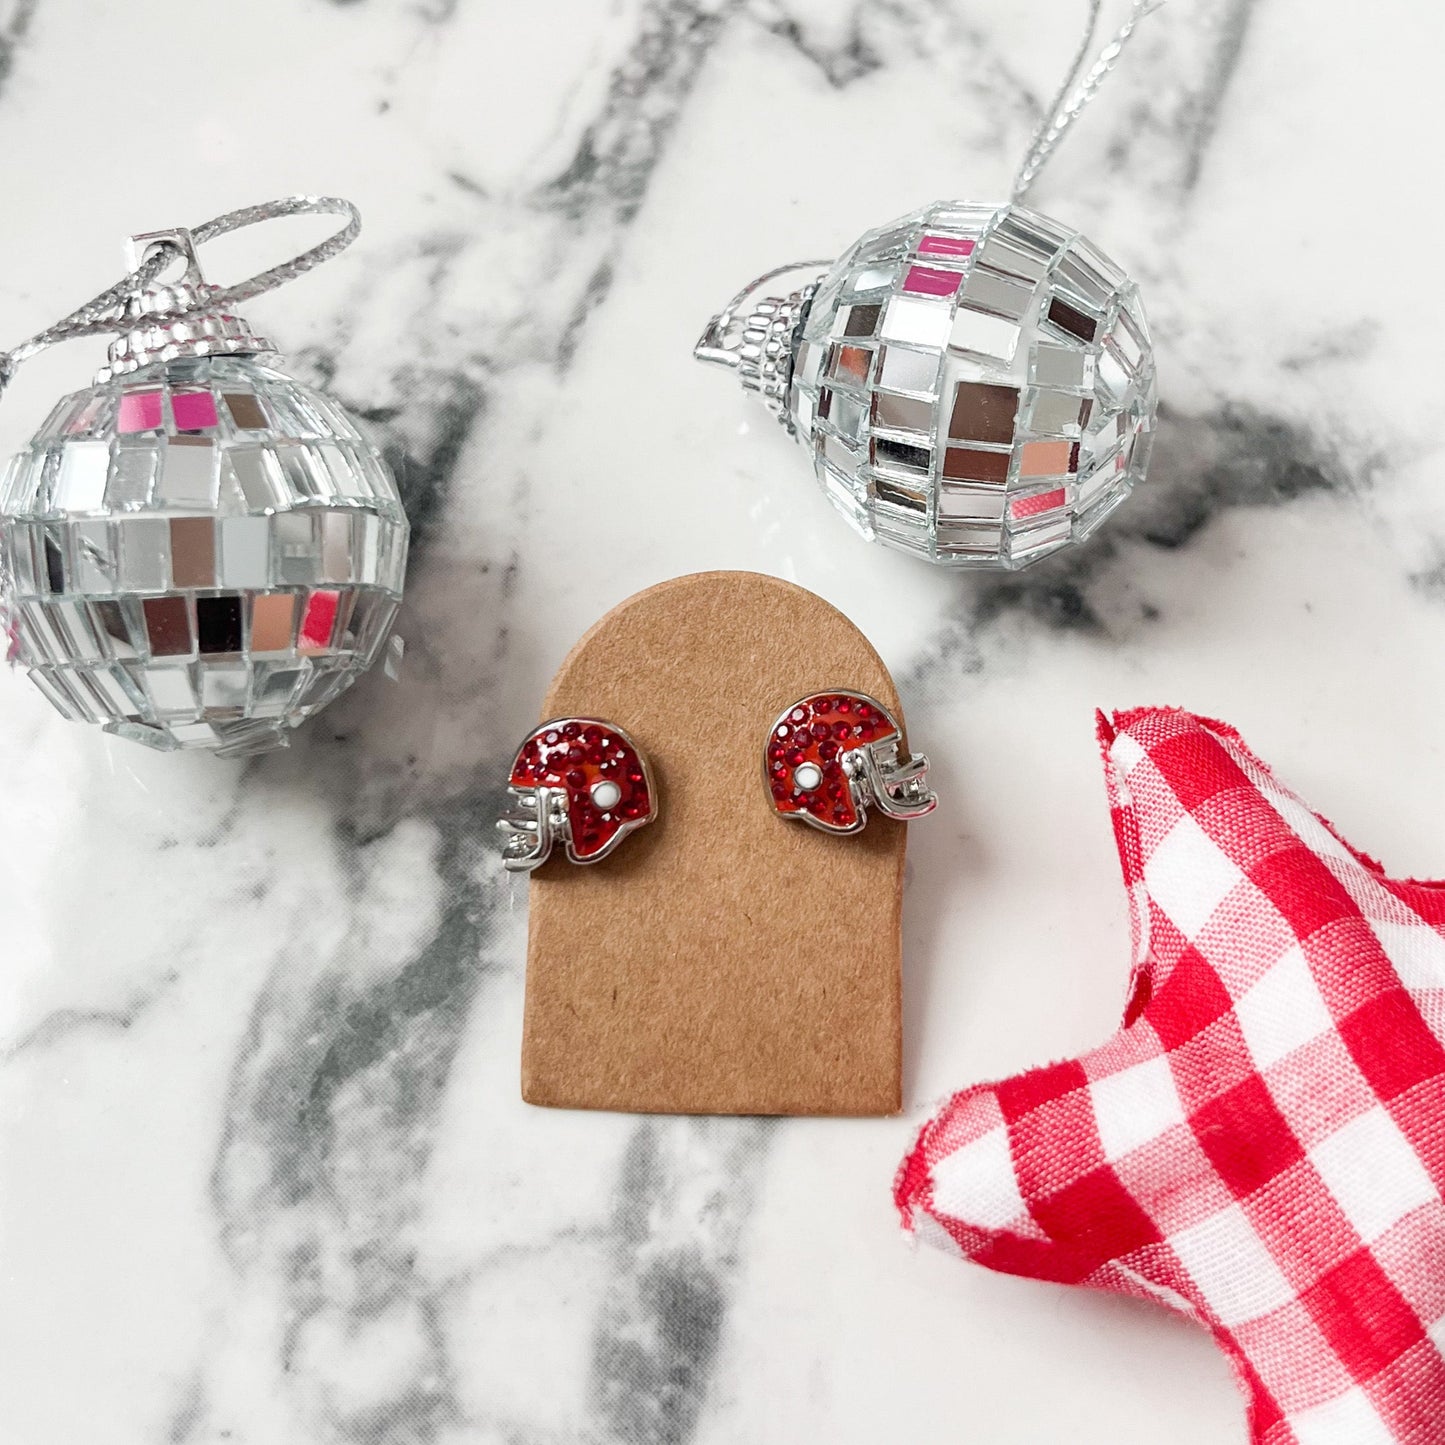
{"points": [[198, 551], [975, 384]]}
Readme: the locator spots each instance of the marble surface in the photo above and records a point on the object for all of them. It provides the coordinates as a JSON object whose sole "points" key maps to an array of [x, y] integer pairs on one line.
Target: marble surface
{"points": [[264, 1173]]}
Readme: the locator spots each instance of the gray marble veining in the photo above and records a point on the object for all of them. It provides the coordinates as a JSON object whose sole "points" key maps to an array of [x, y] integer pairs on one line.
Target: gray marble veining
{"points": [[264, 1174]]}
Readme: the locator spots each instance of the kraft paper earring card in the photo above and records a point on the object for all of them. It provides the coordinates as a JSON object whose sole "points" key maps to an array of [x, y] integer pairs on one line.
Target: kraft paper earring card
{"points": [[723, 961]]}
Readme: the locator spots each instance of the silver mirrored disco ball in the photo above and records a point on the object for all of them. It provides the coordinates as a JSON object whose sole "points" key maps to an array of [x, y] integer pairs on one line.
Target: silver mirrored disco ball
{"points": [[975, 384], [199, 552]]}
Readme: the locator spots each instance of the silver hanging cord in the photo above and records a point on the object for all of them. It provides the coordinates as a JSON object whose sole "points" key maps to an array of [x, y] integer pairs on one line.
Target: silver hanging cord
{"points": [[108, 313], [1075, 94]]}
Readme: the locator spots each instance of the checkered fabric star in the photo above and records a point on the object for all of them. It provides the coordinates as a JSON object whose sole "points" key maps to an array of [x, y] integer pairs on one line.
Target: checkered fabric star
{"points": [[1262, 1144]]}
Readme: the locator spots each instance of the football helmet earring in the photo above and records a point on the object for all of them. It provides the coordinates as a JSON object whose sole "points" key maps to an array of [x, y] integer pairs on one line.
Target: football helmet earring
{"points": [[833, 755], [577, 781]]}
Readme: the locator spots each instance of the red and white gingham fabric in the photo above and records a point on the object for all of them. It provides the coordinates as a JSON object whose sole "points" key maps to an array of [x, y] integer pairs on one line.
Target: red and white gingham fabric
{"points": [[1262, 1144]]}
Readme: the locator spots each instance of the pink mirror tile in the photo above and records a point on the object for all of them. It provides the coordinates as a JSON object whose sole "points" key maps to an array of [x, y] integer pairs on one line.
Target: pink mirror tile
{"points": [[318, 621], [945, 246], [193, 410], [1040, 502], [929, 281], [139, 411]]}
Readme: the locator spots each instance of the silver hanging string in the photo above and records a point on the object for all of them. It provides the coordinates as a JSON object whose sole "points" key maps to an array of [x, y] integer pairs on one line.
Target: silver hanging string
{"points": [[1075, 94], [109, 312]]}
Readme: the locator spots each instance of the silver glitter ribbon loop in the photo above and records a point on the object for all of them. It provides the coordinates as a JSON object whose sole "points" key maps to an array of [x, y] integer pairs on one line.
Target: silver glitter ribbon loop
{"points": [[1075, 94], [108, 313]]}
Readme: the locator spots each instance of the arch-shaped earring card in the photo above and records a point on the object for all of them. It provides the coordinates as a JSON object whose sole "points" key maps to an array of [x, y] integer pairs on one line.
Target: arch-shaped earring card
{"points": [[723, 959]]}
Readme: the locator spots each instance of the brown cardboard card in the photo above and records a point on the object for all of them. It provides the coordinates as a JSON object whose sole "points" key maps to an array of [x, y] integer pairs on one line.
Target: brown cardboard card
{"points": [[723, 960]]}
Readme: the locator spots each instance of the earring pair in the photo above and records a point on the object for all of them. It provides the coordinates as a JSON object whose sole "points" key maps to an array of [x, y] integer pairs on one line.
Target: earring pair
{"points": [[827, 760]]}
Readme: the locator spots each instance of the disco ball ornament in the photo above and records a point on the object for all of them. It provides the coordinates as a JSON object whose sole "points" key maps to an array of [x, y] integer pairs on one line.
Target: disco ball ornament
{"points": [[975, 384], [199, 552]]}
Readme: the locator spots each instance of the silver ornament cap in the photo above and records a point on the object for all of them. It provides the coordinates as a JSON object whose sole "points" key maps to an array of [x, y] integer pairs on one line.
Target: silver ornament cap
{"points": [[757, 336]]}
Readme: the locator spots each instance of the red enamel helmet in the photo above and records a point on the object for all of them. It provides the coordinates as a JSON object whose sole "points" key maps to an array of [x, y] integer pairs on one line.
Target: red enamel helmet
{"points": [[579, 781], [833, 755]]}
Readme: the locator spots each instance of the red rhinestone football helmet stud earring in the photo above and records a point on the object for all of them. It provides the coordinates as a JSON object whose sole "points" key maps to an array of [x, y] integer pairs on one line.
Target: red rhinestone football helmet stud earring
{"points": [[578, 781], [833, 755]]}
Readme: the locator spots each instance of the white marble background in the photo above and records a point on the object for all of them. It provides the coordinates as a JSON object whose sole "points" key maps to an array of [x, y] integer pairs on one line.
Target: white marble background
{"points": [[264, 1175]]}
